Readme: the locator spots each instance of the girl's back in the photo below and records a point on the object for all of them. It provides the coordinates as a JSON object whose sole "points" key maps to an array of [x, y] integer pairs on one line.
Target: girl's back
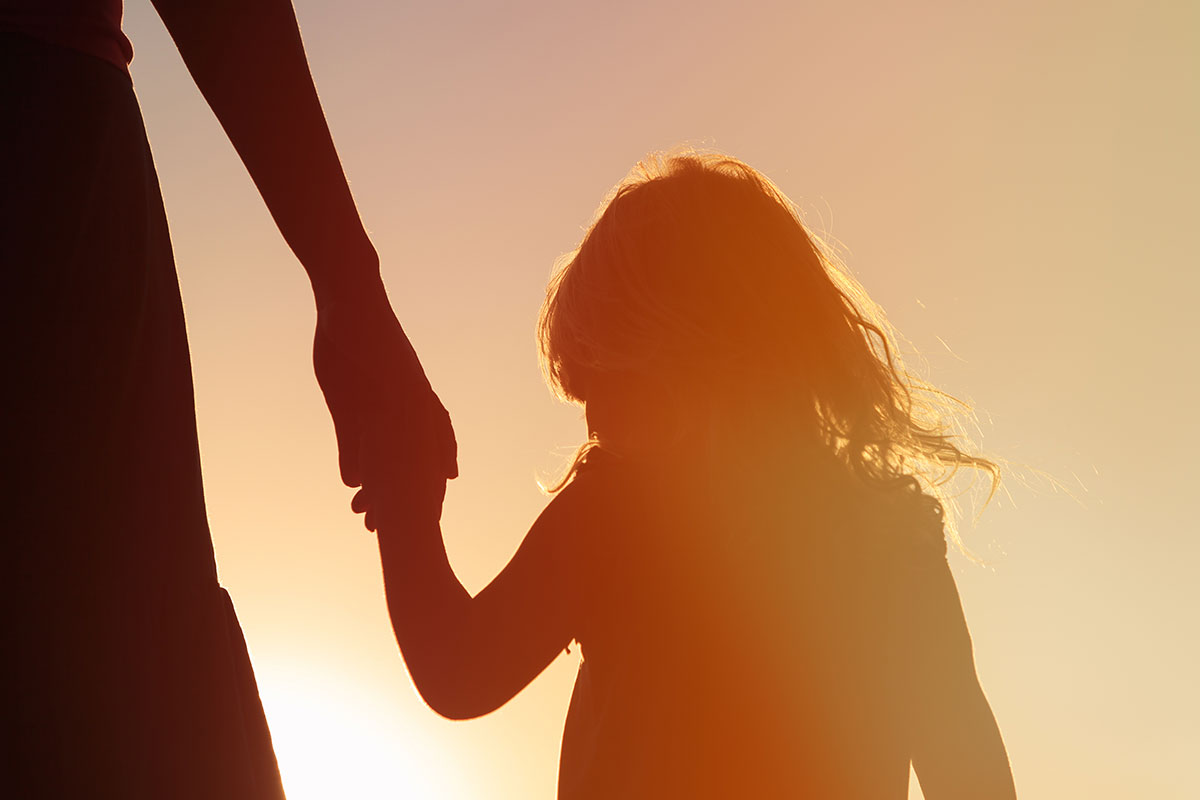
{"points": [[747, 633]]}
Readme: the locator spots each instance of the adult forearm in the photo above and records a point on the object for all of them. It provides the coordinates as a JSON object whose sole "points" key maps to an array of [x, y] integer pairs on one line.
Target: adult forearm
{"points": [[248, 60]]}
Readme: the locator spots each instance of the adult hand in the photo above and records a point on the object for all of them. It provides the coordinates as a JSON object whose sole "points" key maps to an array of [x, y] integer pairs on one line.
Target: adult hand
{"points": [[370, 375], [403, 484]]}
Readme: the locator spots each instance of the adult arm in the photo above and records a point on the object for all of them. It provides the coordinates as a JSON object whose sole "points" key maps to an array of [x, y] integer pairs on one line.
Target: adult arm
{"points": [[957, 747], [247, 59]]}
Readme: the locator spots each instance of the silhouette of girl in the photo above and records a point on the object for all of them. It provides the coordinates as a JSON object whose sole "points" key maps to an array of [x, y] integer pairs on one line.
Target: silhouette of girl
{"points": [[749, 548]]}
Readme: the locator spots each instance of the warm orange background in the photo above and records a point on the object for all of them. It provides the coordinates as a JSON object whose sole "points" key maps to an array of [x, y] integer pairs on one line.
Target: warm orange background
{"points": [[1015, 182]]}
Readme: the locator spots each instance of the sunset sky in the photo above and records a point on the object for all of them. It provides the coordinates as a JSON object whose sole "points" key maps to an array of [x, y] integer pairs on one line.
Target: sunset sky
{"points": [[1015, 183]]}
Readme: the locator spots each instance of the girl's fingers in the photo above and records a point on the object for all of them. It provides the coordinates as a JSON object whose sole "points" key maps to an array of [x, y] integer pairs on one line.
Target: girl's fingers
{"points": [[361, 505]]}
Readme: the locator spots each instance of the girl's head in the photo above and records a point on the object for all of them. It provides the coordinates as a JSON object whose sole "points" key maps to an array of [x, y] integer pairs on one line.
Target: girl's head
{"points": [[698, 301]]}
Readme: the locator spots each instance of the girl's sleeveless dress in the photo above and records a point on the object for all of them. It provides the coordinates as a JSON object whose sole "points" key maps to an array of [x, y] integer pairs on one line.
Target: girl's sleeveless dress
{"points": [[127, 673], [756, 635]]}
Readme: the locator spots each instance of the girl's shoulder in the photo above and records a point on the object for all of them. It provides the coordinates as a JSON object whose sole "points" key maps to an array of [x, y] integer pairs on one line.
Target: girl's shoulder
{"points": [[590, 493], [600, 473], [907, 526], [845, 518]]}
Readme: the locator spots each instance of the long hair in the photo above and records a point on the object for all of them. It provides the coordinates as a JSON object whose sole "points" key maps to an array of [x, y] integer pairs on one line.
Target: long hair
{"points": [[699, 283]]}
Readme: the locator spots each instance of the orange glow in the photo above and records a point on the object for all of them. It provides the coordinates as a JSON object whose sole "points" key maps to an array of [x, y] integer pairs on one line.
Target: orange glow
{"points": [[1013, 179]]}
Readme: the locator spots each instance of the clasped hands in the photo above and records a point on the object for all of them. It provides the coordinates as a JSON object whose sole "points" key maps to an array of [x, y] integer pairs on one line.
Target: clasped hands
{"points": [[394, 437]]}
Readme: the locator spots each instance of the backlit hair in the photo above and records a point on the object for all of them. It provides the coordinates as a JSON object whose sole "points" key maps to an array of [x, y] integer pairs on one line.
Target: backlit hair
{"points": [[698, 274]]}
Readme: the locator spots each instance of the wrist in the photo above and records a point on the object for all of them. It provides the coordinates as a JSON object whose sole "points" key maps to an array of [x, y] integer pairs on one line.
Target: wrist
{"points": [[350, 280]]}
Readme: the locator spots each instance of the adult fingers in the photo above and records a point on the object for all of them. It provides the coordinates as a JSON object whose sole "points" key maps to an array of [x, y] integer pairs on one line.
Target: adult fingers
{"points": [[347, 429], [447, 443]]}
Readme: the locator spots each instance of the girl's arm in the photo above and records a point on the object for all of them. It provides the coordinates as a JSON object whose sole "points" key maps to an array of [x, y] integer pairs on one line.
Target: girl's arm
{"points": [[957, 747], [470, 655]]}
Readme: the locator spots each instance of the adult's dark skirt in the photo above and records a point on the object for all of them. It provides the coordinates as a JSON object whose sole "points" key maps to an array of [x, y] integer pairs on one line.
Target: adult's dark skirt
{"points": [[127, 674]]}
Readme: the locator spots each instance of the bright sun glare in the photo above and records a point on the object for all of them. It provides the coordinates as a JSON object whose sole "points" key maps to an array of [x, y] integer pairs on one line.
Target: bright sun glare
{"points": [[334, 743]]}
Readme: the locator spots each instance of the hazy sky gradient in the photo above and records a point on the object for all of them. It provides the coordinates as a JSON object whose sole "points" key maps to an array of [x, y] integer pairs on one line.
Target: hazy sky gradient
{"points": [[1015, 183]]}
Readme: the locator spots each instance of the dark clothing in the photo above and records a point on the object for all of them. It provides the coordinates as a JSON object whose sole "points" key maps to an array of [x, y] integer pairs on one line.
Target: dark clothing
{"points": [[767, 639], [129, 676], [88, 26]]}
